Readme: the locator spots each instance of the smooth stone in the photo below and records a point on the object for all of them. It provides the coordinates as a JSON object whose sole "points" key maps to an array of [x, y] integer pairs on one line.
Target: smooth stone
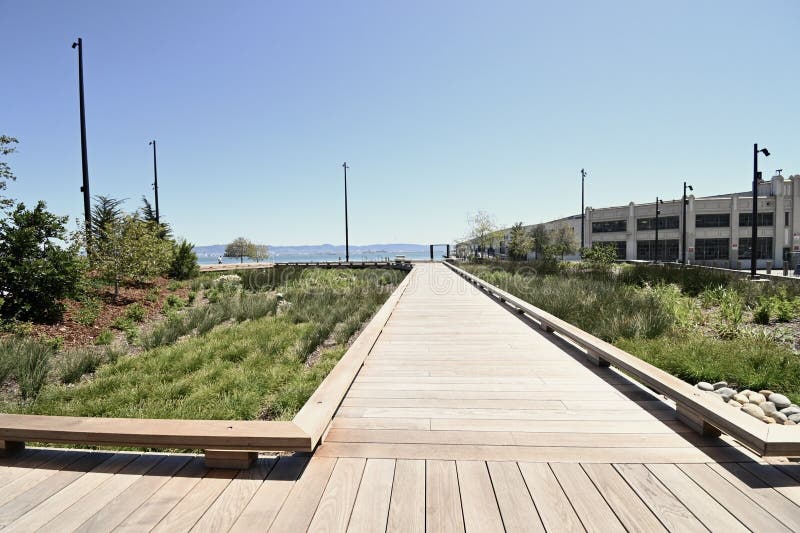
{"points": [[726, 393], [753, 410], [778, 417], [757, 398], [741, 398], [747, 392], [768, 407], [780, 400], [735, 404], [795, 418], [791, 410], [789, 423], [704, 385], [768, 420], [720, 384], [765, 392]]}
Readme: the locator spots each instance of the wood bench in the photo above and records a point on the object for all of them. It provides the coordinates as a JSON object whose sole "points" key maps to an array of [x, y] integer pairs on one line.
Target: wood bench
{"points": [[697, 409]]}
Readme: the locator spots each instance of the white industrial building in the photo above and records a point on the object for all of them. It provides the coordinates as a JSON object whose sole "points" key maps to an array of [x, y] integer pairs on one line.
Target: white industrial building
{"points": [[718, 228]]}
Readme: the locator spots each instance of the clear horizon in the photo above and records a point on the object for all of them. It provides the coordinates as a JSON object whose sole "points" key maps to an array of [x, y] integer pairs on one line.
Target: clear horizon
{"points": [[440, 110]]}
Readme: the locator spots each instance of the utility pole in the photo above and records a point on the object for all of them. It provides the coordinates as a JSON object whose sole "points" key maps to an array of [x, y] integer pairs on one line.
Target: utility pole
{"points": [[346, 232], [583, 209], [754, 234], [87, 204], [155, 180], [685, 202]]}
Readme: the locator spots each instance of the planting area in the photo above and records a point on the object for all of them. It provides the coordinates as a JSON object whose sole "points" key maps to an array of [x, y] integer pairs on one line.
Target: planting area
{"points": [[697, 324], [250, 345]]}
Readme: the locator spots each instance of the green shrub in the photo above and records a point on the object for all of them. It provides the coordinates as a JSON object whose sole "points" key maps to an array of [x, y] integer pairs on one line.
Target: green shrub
{"points": [[33, 360], [761, 314], [135, 312], [89, 311], [104, 339], [122, 323], [184, 262], [173, 286], [73, 365], [190, 298], [152, 295], [172, 302]]}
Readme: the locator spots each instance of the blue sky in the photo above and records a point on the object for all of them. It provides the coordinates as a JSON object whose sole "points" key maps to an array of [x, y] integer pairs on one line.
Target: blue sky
{"points": [[439, 108]]}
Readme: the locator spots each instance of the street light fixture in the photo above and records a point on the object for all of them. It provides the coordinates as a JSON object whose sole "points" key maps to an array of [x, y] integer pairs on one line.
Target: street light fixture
{"points": [[583, 209], [346, 232], [155, 180], [87, 206], [658, 212], [683, 236], [754, 234]]}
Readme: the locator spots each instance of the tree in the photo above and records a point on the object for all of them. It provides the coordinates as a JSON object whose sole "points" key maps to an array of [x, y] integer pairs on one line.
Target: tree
{"points": [[261, 251], [240, 248], [482, 229], [149, 215], [6, 147], [600, 255], [541, 241], [564, 241], [184, 261], [520, 242], [106, 212], [132, 251], [36, 273]]}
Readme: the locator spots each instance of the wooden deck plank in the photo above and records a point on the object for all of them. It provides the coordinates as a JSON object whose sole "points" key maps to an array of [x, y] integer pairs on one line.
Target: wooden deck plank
{"points": [[776, 478], [442, 497], [301, 503], [221, 514], [55, 504], [589, 505], [407, 505], [164, 499], [30, 477], [116, 510], [191, 507], [336, 506], [555, 510], [672, 513], [478, 500], [263, 507], [371, 508], [628, 507], [513, 499], [714, 516], [735, 501]]}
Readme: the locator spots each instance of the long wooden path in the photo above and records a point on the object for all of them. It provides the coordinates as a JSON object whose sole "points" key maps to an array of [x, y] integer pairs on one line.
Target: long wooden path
{"points": [[463, 418]]}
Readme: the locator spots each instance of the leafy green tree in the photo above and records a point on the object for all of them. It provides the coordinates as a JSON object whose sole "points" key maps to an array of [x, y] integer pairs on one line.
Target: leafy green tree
{"points": [[106, 212], [541, 241], [35, 272], [260, 251], [520, 242], [600, 255], [564, 241], [6, 175], [240, 248], [149, 215], [133, 251], [482, 230], [184, 261]]}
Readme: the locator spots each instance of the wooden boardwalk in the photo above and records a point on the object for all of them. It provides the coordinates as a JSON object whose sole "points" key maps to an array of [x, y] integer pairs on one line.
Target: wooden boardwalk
{"points": [[463, 418]]}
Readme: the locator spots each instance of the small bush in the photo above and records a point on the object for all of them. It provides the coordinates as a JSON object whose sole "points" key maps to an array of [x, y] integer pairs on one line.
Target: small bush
{"points": [[173, 286], [761, 314], [135, 312], [191, 297], [184, 262], [89, 311], [104, 339], [73, 365], [172, 302], [33, 360], [122, 323], [152, 295]]}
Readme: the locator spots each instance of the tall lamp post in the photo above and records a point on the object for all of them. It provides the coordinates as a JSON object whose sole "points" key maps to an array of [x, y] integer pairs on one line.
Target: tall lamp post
{"points": [[583, 209], [87, 207], [683, 236], [658, 212], [346, 232], [155, 180], [754, 235]]}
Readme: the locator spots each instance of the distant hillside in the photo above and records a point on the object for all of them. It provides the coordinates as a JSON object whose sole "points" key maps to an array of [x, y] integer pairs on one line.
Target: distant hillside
{"points": [[215, 250]]}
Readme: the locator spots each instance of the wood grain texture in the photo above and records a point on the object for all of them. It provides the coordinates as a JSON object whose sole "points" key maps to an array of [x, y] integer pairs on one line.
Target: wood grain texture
{"points": [[407, 506], [442, 498]]}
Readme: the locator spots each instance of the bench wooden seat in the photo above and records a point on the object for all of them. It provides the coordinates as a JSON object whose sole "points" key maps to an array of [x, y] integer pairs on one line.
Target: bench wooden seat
{"points": [[697, 409]]}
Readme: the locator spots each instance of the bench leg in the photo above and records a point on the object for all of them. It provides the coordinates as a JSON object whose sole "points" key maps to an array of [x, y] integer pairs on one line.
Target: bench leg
{"points": [[596, 359], [544, 327], [10, 447], [691, 418], [236, 459]]}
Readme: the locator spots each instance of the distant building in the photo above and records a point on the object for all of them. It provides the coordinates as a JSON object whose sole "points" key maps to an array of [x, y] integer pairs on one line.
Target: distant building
{"points": [[718, 228]]}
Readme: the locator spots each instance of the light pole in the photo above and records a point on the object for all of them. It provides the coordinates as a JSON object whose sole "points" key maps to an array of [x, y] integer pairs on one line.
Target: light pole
{"points": [[155, 180], [754, 235], [346, 232], [683, 236], [87, 205], [583, 209], [658, 212]]}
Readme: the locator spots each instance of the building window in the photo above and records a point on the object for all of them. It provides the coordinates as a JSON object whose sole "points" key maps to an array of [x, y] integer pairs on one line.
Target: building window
{"points": [[764, 250], [609, 226], [787, 219], [643, 224], [705, 249], [764, 219], [713, 220], [667, 250]]}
